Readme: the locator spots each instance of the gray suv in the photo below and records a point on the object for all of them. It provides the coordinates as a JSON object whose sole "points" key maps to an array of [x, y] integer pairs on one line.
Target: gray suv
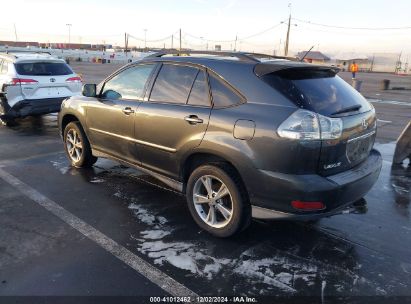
{"points": [[242, 137]]}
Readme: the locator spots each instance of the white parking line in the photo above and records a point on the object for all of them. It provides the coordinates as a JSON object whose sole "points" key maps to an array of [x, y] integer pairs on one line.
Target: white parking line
{"points": [[401, 103], [156, 276], [384, 121]]}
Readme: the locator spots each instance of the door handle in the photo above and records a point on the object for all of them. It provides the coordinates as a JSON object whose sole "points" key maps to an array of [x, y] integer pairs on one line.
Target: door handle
{"points": [[128, 111], [193, 119]]}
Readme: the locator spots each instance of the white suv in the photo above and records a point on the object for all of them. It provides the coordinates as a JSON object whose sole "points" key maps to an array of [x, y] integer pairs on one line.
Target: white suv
{"points": [[34, 84]]}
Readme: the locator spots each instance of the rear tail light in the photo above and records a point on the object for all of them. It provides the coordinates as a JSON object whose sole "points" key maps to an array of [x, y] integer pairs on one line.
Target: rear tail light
{"points": [[22, 81], [307, 125], [307, 206], [76, 79]]}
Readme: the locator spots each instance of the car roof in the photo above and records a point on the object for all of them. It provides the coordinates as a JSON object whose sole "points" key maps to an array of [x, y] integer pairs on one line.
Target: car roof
{"points": [[222, 64], [263, 63], [239, 73], [16, 56]]}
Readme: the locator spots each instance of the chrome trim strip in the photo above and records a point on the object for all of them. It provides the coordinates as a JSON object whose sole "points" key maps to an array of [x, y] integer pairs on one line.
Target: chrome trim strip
{"points": [[141, 142], [362, 136], [265, 214], [269, 214]]}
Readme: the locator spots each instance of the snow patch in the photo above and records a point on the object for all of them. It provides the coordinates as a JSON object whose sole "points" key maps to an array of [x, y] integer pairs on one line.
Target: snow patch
{"points": [[145, 216], [61, 166], [96, 180], [154, 234], [183, 255]]}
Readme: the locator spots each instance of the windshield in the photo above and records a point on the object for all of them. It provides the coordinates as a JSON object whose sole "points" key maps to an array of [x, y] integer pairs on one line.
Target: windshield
{"points": [[43, 69], [320, 91]]}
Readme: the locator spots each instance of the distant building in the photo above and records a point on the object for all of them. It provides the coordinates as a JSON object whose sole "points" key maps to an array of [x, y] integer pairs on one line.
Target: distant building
{"points": [[315, 57], [344, 61], [54, 45], [389, 62], [19, 43]]}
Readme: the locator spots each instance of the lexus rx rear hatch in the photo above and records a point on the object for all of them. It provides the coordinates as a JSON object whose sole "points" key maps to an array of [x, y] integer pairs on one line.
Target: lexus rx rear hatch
{"points": [[345, 120]]}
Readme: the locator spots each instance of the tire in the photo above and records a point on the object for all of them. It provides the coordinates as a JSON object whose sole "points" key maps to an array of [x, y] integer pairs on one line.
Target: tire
{"points": [[80, 154], [8, 122], [222, 217]]}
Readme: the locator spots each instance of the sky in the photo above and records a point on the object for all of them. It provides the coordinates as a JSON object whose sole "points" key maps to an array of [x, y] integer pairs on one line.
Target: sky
{"points": [[215, 22]]}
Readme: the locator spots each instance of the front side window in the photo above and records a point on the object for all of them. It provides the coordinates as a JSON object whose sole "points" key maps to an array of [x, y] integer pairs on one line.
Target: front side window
{"points": [[129, 84], [43, 69], [173, 84], [223, 95]]}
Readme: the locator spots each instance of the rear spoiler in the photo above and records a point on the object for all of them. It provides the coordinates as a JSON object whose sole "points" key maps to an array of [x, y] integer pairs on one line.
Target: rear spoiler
{"points": [[265, 68]]}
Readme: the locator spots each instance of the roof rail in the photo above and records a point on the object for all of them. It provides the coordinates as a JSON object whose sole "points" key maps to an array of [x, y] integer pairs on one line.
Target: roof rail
{"points": [[239, 55], [4, 54], [260, 55], [245, 56], [13, 52]]}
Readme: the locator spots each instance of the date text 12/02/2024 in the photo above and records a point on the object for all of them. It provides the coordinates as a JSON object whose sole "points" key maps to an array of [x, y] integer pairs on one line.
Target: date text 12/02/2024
{"points": [[239, 299]]}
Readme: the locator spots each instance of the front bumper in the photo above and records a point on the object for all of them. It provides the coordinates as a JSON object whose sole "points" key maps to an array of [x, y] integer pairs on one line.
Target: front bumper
{"points": [[338, 192], [31, 107]]}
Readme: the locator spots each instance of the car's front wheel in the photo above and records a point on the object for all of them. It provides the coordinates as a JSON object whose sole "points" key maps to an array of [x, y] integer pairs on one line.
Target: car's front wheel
{"points": [[77, 146], [7, 122], [217, 200]]}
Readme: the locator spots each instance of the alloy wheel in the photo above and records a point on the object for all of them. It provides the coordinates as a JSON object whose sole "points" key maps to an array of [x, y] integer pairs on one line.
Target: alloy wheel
{"points": [[213, 201], [74, 145]]}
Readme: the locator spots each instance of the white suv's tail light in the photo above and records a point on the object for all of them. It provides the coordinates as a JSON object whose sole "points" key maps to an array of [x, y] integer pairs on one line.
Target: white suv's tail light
{"points": [[74, 79], [307, 125], [22, 81]]}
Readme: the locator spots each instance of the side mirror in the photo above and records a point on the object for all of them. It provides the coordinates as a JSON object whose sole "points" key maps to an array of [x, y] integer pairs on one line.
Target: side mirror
{"points": [[89, 90], [2, 95]]}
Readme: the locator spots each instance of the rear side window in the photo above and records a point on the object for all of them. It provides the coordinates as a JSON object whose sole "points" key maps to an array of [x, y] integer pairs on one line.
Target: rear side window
{"points": [[5, 67], [43, 69], [199, 95], [223, 95], [2, 63], [320, 91], [173, 84], [128, 84]]}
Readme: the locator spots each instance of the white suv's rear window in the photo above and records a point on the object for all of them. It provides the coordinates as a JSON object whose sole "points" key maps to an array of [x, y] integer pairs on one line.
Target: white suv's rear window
{"points": [[42, 68]]}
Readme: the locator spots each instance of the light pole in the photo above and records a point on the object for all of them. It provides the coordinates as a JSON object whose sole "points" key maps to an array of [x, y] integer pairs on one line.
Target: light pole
{"points": [[202, 42], [69, 30], [287, 39], [145, 39]]}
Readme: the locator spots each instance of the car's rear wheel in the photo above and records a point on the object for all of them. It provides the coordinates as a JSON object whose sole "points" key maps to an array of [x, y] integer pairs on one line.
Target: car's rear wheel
{"points": [[217, 200], [77, 146]]}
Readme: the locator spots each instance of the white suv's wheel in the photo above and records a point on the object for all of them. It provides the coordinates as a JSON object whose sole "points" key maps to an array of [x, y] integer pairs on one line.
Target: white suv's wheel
{"points": [[217, 200], [77, 146]]}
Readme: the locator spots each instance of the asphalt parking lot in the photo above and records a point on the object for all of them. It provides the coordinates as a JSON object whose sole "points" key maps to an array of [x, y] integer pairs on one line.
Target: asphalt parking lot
{"points": [[113, 231]]}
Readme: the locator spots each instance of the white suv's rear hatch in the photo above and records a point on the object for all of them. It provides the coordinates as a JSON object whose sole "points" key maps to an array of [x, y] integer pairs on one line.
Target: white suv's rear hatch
{"points": [[47, 79]]}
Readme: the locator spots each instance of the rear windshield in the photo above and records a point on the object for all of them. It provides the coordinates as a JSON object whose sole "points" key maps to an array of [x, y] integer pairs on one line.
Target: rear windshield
{"points": [[320, 91], [43, 69]]}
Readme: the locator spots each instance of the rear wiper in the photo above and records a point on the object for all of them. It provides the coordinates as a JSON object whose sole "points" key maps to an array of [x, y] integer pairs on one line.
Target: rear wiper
{"points": [[348, 109]]}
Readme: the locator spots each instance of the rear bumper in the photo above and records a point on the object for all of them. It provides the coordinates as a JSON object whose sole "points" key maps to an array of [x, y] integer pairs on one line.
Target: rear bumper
{"points": [[338, 192], [31, 107]]}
